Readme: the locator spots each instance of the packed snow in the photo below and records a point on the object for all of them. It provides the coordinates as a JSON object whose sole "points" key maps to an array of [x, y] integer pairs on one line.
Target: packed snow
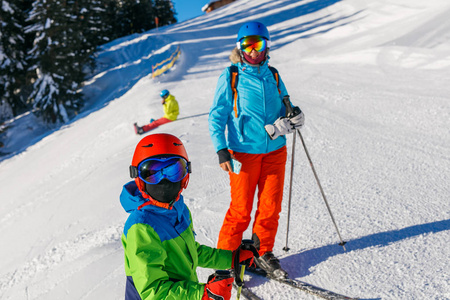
{"points": [[372, 78]]}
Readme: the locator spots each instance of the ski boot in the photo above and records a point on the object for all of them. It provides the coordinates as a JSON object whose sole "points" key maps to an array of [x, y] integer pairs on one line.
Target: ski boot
{"points": [[271, 265], [138, 129]]}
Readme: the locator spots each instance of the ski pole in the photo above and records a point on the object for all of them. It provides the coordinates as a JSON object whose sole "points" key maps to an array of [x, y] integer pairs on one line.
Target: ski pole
{"points": [[240, 269], [286, 248], [289, 108], [342, 243], [241, 276]]}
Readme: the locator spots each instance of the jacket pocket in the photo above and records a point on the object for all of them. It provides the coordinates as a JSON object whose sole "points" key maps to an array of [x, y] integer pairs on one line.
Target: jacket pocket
{"points": [[238, 127], [252, 131]]}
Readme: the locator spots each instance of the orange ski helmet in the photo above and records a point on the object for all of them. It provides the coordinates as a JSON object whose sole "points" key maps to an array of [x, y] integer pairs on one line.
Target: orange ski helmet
{"points": [[154, 145]]}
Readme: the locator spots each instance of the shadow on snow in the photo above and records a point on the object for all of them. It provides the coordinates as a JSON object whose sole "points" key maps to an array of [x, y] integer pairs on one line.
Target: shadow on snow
{"points": [[312, 257]]}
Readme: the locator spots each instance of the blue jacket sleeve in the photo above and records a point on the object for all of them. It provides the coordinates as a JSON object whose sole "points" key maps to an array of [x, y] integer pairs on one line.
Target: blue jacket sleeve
{"points": [[220, 111]]}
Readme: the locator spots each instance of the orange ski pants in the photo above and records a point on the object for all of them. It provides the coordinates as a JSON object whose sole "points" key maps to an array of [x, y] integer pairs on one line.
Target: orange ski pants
{"points": [[265, 172]]}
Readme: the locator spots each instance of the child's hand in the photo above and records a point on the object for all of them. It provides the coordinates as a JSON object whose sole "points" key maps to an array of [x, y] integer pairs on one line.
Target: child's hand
{"points": [[246, 253], [218, 287]]}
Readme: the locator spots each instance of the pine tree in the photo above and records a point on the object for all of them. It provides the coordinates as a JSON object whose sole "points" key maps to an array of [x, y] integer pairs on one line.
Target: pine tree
{"points": [[12, 56], [63, 48], [143, 16], [46, 56], [110, 20], [61, 38], [137, 16], [165, 12], [92, 24]]}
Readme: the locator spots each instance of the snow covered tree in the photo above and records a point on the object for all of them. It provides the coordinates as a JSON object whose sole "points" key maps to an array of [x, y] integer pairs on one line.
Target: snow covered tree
{"points": [[47, 55], [60, 55], [110, 22], [12, 56], [136, 16], [48, 46], [143, 13], [92, 23]]}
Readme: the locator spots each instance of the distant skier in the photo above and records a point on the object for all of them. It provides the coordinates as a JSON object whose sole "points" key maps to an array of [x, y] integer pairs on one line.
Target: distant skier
{"points": [[161, 254], [171, 111], [248, 105]]}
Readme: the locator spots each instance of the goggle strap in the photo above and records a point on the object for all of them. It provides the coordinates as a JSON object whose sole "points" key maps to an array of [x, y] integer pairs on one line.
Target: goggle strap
{"points": [[134, 173], [189, 170]]}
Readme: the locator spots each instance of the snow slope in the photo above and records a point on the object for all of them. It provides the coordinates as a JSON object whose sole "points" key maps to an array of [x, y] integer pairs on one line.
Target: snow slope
{"points": [[372, 78]]}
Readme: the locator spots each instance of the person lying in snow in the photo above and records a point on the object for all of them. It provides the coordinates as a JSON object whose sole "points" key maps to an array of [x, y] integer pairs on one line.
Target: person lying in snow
{"points": [[161, 254], [171, 111]]}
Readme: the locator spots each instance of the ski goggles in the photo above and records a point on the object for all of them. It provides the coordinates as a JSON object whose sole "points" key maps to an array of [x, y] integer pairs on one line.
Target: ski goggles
{"points": [[153, 170], [248, 43]]}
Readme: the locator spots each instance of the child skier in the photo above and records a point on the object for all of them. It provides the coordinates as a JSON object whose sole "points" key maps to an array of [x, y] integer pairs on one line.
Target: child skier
{"points": [[161, 254], [171, 111]]}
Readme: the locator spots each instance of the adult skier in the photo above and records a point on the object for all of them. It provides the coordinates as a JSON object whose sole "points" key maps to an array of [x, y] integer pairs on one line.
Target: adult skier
{"points": [[171, 111], [161, 254], [248, 105]]}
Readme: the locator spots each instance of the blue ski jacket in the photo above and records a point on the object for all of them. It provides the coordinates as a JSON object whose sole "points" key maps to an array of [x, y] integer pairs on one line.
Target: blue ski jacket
{"points": [[259, 102]]}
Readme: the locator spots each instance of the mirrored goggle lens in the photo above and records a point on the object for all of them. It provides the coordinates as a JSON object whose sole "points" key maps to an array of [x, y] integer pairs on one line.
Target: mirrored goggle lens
{"points": [[153, 170], [253, 42]]}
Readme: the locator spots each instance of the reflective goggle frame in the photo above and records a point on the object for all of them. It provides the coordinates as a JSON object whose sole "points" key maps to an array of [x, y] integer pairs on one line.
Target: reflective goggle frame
{"points": [[248, 43], [153, 170]]}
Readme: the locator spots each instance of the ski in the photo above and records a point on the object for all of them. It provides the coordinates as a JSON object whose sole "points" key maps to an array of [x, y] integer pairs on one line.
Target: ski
{"points": [[247, 293], [306, 287], [312, 289]]}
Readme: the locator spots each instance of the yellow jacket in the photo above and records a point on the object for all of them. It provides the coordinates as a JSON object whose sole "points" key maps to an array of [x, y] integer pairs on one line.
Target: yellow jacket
{"points": [[170, 107]]}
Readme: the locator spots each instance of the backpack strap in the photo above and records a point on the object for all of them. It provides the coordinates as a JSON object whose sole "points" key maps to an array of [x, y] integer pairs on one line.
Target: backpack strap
{"points": [[275, 75], [234, 80], [234, 71]]}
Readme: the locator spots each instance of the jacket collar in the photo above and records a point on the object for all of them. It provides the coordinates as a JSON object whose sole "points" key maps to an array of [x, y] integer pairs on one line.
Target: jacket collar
{"points": [[254, 69]]}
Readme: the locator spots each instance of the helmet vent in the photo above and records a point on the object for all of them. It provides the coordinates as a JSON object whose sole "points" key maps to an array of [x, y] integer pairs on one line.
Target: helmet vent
{"points": [[148, 146], [175, 144]]}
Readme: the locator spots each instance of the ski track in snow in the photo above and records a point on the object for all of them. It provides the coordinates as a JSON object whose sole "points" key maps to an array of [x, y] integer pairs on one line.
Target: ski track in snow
{"points": [[372, 79]]}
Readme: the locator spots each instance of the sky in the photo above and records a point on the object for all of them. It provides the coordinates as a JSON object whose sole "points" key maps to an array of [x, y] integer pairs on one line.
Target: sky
{"points": [[187, 9], [372, 81]]}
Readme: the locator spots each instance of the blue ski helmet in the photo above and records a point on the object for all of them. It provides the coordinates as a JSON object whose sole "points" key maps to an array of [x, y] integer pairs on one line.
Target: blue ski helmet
{"points": [[164, 93], [253, 28]]}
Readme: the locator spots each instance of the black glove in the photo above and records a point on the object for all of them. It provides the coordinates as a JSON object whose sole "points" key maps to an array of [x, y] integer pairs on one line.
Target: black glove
{"points": [[224, 155]]}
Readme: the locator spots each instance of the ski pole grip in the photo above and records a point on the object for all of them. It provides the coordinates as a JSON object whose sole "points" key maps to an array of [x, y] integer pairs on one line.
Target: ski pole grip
{"points": [[249, 245], [287, 103], [237, 268], [245, 245]]}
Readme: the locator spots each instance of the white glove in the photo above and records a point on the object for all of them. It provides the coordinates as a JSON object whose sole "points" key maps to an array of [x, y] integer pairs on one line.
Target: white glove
{"points": [[281, 126], [298, 120]]}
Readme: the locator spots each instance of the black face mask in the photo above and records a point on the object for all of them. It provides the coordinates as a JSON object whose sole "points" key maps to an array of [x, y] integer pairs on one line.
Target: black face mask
{"points": [[166, 191]]}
